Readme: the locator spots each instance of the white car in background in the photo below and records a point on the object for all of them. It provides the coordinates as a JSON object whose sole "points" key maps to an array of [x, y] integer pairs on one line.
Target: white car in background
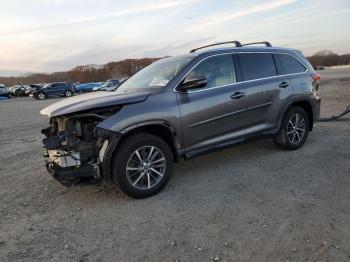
{"points": [[111, 84]]}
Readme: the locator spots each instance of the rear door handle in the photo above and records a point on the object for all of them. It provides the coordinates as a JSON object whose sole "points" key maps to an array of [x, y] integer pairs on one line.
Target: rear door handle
{"points": [[284, 84], [237, 95]]}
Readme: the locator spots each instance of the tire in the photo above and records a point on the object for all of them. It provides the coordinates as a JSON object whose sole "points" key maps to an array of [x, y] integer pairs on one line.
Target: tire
{"points": [[291, 138], [141, 180], [68, 93], [41, 96]]}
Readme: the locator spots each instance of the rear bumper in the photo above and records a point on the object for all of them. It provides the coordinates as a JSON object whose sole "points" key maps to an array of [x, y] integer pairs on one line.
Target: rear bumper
{"points": [[317, 108], [73, 175]]}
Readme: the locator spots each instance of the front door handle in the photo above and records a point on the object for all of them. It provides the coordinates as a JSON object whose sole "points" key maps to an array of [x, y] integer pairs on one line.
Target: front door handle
{"points": [[237, 95], [284, 84]]}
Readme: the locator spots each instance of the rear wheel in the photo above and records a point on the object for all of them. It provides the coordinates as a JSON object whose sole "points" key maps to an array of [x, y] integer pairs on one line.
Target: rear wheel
{"points": [[41, 96], [142, 165], [294, 130]]}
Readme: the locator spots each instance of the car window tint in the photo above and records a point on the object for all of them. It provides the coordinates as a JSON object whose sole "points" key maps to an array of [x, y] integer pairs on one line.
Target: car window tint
{"points": [[218, 70], [257, 65], [290, 64]]}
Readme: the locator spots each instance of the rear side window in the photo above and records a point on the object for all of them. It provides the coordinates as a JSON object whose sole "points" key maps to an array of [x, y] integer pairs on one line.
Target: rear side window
{"points": [[257, 65], [290, 64]]}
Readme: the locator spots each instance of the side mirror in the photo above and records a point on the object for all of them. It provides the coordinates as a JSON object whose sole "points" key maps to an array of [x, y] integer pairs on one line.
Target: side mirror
{"points": [[192, 82]]}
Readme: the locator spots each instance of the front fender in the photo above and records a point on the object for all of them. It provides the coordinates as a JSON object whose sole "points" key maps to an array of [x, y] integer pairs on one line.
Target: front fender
{"points": [[160, 108]]}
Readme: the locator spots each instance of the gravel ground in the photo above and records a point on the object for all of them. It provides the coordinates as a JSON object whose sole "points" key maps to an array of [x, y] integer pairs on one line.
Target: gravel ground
{"points": [[253, 202]]}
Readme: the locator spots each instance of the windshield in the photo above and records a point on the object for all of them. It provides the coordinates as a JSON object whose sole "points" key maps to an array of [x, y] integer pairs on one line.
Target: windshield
{"points": [[156, 75], [46, 86]]}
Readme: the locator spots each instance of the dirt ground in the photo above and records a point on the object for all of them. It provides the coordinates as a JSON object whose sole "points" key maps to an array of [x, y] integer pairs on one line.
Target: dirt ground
{"points": [[253, 202]]}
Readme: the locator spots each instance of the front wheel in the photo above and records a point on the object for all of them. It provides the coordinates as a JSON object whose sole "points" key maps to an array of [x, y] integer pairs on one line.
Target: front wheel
{"points": [[68, 93], [41, 96], [142, 165], [294, 129]]}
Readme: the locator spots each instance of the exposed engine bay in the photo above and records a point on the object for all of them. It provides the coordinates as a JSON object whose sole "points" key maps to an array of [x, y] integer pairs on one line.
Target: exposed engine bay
{"points": [[73, 147]]}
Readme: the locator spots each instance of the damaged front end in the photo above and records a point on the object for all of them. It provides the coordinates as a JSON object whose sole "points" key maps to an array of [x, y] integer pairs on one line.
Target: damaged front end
{"points": [[73, 147]]}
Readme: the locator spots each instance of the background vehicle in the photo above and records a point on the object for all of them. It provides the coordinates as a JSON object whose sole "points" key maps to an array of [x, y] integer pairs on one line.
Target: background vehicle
{"points": [[110, 83], [31, 88], [87, 87], [54, 89], [112, 86], [17, 90], [4, 92], [182, 107]]}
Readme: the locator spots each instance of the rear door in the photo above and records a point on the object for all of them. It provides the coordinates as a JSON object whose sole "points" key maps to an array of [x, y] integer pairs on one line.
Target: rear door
{"points": [[295, 70], [266, 90], [214, 113]]}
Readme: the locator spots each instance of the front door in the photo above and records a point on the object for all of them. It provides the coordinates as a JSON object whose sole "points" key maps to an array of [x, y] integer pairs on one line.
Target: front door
{"points": [[213, 114]]}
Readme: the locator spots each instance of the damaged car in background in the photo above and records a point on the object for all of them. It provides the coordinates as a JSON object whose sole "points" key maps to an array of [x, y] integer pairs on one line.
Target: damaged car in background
{"points": [[4, 92], [182, 107]]}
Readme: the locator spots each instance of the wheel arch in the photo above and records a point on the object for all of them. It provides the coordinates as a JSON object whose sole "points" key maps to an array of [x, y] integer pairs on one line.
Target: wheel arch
{"points": [[159, 128], [304, 104], [162, 129]]}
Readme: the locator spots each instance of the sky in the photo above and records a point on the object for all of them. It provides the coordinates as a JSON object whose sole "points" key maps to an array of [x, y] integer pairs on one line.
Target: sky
{"points": [[57, 35]]}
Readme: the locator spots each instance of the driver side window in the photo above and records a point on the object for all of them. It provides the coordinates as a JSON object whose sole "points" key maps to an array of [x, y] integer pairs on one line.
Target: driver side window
{"points": [[218, 70]]}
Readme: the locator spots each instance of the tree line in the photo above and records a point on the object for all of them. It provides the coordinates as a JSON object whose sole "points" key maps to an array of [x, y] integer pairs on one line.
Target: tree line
{"points": [[328, 58], [128, 67], [85, 74]]}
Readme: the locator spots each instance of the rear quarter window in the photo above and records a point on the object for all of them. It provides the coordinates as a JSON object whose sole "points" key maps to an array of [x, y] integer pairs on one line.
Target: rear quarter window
{"points": [[290, 65], [257, 65]]}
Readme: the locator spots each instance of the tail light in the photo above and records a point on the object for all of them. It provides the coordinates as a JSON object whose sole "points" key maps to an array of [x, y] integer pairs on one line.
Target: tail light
{"points": [[317, 78]]}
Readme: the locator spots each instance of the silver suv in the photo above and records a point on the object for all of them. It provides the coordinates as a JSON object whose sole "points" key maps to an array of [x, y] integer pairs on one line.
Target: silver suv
{"points": [[182, 107]]}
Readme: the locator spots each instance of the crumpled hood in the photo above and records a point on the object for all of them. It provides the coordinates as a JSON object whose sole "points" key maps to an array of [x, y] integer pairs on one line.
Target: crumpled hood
{"points": [[91, 101]]}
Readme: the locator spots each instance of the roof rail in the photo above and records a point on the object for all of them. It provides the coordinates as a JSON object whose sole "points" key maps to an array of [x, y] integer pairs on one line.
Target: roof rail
{"points": [[268, 44], [237, 43]]}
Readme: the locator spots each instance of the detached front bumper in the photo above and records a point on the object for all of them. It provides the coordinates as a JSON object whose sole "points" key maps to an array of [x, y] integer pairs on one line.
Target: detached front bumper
{"points": [[73, 175]]}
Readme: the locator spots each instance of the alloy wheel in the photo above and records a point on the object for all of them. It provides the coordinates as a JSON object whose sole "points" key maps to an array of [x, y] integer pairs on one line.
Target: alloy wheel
{"points": [[146, 167], [41, 96], [296, 128]]}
